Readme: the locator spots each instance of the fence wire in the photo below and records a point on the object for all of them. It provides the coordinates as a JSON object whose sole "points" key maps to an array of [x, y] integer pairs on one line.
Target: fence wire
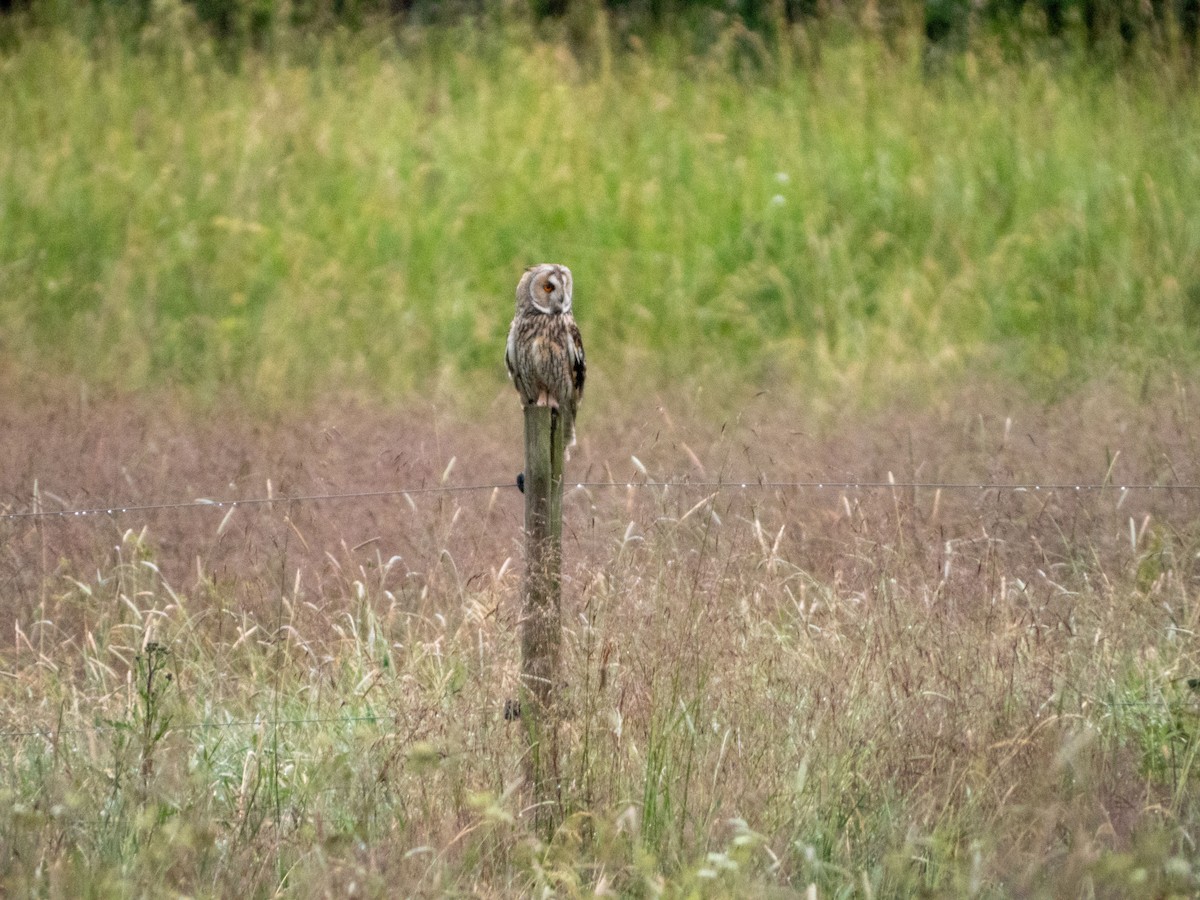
{"points": [[730, 484], [721, 485], [1163, 703], [200, 726]]}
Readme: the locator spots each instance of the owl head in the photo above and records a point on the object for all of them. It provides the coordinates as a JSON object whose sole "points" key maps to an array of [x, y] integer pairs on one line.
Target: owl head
{"points": [[545, 288]]}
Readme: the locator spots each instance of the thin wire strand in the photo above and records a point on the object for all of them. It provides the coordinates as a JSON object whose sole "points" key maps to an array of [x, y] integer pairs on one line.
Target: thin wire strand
{"points": [[885, 485], [201, 726], [51, 732], [730, 484], [205, 503]]}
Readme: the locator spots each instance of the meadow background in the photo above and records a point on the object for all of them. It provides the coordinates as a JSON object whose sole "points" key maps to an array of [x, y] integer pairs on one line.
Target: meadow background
{"points": [[262, 250]]}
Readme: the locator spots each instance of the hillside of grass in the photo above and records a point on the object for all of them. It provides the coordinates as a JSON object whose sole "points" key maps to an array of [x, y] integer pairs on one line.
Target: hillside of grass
{"points": [[353, 212]]}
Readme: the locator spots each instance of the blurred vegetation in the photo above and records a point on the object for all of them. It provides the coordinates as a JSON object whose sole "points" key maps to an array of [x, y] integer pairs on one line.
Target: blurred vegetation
{"points": [[282, 201], [1098, 24]]}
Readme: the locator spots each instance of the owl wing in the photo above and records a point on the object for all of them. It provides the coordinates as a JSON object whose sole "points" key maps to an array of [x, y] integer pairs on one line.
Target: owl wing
{"points": [[576, 358], [510, 351], [517, 357]]}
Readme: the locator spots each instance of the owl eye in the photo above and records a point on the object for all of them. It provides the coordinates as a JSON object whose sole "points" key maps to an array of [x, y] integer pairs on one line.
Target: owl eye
{"points": [[548, 288]]}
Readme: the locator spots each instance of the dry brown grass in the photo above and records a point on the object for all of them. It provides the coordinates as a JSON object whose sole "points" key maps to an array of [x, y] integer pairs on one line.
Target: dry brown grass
{"points": [[877, 692]]}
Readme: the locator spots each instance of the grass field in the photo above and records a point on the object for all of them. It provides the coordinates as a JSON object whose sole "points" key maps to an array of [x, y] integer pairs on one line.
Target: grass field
{"points": [[354, 215], [293, 277], [885, 693]]}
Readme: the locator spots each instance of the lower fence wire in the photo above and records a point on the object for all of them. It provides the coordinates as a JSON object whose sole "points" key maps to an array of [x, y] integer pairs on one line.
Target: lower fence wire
{"points": [[724, 484]]}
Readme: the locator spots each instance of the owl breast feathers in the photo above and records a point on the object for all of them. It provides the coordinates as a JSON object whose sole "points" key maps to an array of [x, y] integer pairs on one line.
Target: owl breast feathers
{"points": [[545, 351]]}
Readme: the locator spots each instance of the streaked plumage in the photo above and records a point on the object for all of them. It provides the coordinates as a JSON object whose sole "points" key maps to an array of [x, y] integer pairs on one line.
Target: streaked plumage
{"points": [[545, 351]]}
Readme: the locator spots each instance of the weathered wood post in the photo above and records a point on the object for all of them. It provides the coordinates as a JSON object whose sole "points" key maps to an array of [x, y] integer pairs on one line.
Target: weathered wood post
{"points": [[541, 633]]}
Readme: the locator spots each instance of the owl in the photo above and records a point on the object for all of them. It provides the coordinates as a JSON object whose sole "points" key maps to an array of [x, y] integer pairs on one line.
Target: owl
{"points": [[545, 351]]}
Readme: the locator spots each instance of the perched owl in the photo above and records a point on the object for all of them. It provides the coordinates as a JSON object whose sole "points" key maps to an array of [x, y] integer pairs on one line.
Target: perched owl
{"points": [[545, 351]]}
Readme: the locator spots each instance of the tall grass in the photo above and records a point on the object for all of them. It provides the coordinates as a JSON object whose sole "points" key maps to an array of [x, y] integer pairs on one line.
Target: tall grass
{"points": [[353, 213], [766, 691]]}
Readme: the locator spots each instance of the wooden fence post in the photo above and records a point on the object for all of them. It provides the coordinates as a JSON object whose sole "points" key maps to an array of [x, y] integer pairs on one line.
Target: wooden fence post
{"points": [[541, 633]]}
